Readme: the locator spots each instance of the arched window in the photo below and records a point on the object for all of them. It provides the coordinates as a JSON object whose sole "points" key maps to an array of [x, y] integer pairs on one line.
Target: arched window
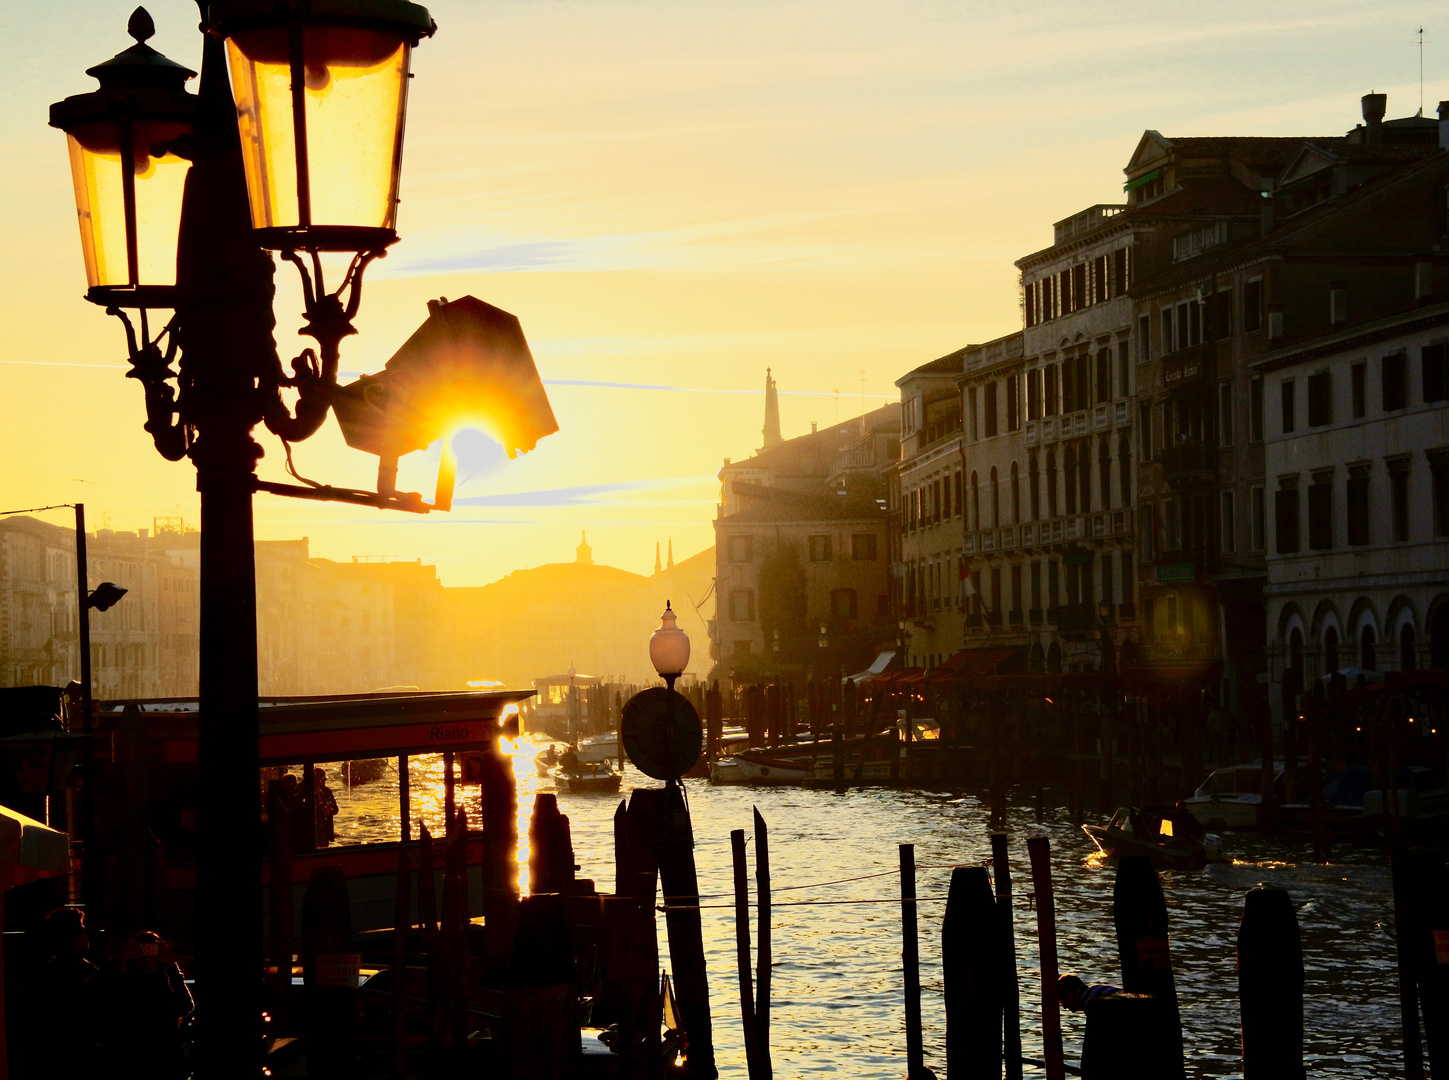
{"points": [[1367, 657], [1439, 636], [1033, 475], [1084, 474], [1330, 651], [1406, 647], [1051, 481], [1015, 495], [995, 500], [975, 502], [1054, 659]]}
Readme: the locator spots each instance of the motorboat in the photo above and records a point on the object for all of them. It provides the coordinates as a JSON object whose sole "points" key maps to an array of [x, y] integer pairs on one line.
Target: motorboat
{"points": [[760, 767], [1172, 839], [1229, 798], [586, 777]]}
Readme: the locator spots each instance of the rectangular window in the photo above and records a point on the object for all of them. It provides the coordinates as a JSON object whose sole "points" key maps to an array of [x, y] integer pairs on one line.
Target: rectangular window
{"points": [[1124, 369], [862, 547], [1069, 386], [1320, 512], [1257, 513], [1358, 376], [972, 430], [820, 548], [1144, 339], [988, 396], [1393, 386], [1171, 527], [1016, 586], [1033, 394], [1036, 585], [742, 549], [957, 508], [1225, 414], [1286, 390], [1048, 299], [1399, 497], [1434, 373], [1144, 431], [1255, 409], [1108, 589], [742, 605], [1253, 306], [1084, 381], [1119, 271], [842, 603], [1029, 304], [1053, 583], [1013, 405], [1285, 515], [1320, 399], [1166, 330], [1104, 375], [1050, 397], [1358, 505], [1079, 286], [1229, 518], [1439, 488], [1194, 322]]}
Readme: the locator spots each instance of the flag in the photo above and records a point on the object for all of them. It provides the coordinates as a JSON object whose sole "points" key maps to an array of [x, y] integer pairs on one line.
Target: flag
{"points": [[967, 587]]}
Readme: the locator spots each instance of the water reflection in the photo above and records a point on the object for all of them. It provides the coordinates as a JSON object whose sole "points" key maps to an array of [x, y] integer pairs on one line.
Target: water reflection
{"points": [[837, 981]]}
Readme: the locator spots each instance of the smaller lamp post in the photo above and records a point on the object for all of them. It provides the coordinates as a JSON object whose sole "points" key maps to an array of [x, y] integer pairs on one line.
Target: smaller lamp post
{"points": [[669, 647]]}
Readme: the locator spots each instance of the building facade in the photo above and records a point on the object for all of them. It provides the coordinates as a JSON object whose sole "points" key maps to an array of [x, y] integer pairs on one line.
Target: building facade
{"points": [[1357, 462]]}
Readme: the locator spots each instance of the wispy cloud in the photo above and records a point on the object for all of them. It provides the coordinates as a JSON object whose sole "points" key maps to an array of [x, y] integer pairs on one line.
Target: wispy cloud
{"points": [[590, 494]]}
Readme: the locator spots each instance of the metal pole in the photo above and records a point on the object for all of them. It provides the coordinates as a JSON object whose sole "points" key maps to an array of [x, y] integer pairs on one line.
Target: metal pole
{"points": [[83, 626]]}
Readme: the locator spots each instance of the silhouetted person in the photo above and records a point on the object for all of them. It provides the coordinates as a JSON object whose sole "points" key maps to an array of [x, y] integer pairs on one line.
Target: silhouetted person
{"points": [[138, 1001], [1077, 995], [63, 1040], [326, 804]]}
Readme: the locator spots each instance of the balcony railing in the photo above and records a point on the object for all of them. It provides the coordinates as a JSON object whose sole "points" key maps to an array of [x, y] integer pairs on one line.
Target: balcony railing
{"points": [[1189, 462]]}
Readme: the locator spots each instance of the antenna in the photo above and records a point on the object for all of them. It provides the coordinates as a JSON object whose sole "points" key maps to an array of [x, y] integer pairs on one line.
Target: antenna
{"points": [[1421, 71], [835, 393], [862, 400]]}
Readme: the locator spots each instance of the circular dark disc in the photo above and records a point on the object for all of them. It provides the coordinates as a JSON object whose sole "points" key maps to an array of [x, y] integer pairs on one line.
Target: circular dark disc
{"points": [[662, 733]]}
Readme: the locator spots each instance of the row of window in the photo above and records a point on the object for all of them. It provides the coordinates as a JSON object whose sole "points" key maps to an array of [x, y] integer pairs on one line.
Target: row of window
{"points": [[843, 604], [1077, 287], [933, 503], [741, 549], [1083, 578], [1359, 517], [1189, 526], [1393, 384], [1077, 382], [1067, 490]]}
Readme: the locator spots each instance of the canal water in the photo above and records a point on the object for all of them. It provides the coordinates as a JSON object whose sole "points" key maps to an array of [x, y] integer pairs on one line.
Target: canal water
{"points": [[836, 1005]]}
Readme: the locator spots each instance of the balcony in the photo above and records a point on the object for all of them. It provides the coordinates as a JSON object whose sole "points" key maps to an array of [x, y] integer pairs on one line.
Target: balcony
{"points": [[1074, 618], [1189, 463], [1178, 650], [1190, 366], [1084, 221]]}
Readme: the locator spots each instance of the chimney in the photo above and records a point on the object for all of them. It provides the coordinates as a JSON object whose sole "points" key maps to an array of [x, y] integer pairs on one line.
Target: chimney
{"points": [[812, 427], [1444, 125], [1338, 302], [1374, 107]]}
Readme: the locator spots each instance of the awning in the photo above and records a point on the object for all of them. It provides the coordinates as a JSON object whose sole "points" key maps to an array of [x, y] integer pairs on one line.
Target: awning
{"points": [[879, 664], [29, 850], [970, 663]]}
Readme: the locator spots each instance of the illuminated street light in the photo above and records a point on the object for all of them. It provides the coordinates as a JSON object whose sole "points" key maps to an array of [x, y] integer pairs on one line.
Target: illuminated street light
{"points": [[669, 647]]}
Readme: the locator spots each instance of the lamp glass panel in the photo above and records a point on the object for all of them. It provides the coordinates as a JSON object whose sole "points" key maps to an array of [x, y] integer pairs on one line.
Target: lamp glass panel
{"points": [[355, 103], [160, 181]]}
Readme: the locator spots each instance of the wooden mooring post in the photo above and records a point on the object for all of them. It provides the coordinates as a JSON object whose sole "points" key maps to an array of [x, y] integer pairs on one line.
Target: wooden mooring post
{"points": [[1139, 912], [972, 970], [1270, 987], [1010, 988], [1039, 848], [1421, 921], [911, 965], [679, 882], [402, 919], [764, 952], [742, 952]]}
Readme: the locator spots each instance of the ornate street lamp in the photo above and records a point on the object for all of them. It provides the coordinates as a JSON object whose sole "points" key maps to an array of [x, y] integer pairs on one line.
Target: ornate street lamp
{"points": [[177, 196], [128, 162]]}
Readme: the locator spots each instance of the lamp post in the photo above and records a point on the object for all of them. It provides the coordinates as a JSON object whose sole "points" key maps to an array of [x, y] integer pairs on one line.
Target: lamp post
{"points": [[177, 196]]}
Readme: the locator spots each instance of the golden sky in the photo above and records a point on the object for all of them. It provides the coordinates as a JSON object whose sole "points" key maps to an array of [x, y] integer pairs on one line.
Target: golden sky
{"points": [[671, 197]]}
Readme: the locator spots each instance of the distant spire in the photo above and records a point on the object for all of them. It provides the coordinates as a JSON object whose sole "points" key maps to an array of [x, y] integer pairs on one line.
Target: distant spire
{"points": [[657, 566], [671, 553], [583, 554], [772, 413]]}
